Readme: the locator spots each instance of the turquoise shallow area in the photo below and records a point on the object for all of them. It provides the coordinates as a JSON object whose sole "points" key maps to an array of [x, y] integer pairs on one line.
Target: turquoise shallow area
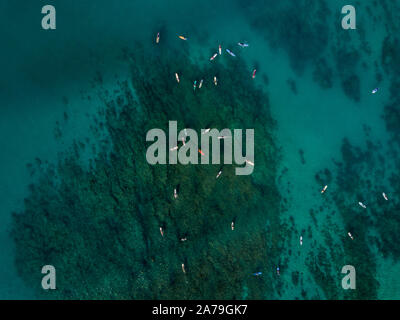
{"points": [[316, 79]]}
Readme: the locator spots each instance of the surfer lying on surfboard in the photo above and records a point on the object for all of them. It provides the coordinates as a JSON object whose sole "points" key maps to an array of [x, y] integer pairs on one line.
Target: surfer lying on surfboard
{"points": [[230, 52]]}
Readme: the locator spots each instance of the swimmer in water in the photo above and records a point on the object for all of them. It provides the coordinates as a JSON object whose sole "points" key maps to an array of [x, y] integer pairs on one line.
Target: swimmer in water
{"points": [[213, 57], [243, 44], [375, 90], [254, 73], [158, 38], [215, 81], [183, 268], [182, 37], [324, 189], [219, 50], [362, 205], [257, 274], [162, 232], [177, 77], [231, 53], [385, 196], [277, 271], [194, 85], [219, 173], [349, 234], [201, 83]]}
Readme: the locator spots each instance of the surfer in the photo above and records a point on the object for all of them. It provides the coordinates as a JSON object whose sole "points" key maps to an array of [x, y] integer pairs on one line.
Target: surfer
{"points": [[219, 50], [175, 193], [215, 81], [201, 152], [243, 44], [257, 274], [161, 231], [324, 189], [254, 73], [230, 52], [213, 57], [301, 240], [183, 268], [201, 83], [182, 37], [349, 234], [219, 173], [177, 77], [206, 131], [362, 205], [233, 225], [249, 162], [375, 90], [277, 271], [194, 85], [385, 196], [158, 38]]}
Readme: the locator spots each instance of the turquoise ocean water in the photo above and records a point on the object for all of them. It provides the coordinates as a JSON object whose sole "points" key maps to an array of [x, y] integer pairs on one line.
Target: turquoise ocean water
{"points": [[50, 92]]}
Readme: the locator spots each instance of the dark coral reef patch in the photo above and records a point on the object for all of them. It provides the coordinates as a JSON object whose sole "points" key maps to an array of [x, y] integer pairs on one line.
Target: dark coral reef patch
{"points": [[99, 225]]}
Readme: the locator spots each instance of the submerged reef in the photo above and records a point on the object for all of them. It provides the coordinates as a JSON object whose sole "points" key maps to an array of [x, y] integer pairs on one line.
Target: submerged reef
{"points": [[390, 60], [346, 66], [364, 176], [99, 225]]}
